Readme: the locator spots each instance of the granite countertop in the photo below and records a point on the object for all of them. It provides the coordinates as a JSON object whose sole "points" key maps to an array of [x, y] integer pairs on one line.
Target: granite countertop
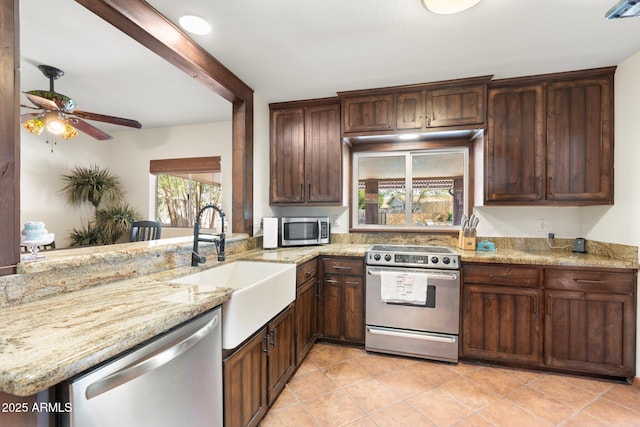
{"points": [[49, 340]]}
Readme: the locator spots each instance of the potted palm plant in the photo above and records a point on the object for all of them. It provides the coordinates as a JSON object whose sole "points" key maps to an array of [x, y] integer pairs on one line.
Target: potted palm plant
{"points": [[103, 190]]}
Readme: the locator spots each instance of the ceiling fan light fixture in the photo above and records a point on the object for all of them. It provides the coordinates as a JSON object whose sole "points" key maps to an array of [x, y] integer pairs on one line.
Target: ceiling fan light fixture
{"points": [[448, 7], [68, 132], [54, 122], [195, 25], [34, 126]]}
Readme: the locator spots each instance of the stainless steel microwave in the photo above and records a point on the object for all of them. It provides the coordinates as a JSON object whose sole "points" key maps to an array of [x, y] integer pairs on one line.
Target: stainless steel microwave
{"points": [[304, 231]]}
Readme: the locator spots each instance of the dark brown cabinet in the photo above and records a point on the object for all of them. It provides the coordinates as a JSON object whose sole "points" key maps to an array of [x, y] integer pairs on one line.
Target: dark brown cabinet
{"points": [[342, 300], [456, 106], [580, 140], [306, 309], [256, 373], [306, 153], [515, 145], [501, 314], [550, 139], [590, 321], [369, 113]]}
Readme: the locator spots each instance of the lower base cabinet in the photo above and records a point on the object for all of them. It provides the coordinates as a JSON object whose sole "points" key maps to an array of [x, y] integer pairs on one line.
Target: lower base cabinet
{"points": [[573, 320], [257, 372]]}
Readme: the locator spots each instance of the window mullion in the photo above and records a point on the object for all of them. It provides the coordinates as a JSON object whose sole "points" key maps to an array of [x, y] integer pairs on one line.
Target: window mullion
{"points": [[408, 184]]}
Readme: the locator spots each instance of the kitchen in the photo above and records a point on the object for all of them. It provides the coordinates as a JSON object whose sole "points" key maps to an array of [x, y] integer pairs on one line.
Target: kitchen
{"points": [[595, 223]]}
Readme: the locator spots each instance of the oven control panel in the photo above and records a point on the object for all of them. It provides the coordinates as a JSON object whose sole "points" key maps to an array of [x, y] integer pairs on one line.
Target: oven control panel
{"points": [[400, 259]]}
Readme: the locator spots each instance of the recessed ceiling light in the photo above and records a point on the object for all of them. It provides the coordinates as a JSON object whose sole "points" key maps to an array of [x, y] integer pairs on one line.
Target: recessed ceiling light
{"points": [[447, 7], [195, 24]]}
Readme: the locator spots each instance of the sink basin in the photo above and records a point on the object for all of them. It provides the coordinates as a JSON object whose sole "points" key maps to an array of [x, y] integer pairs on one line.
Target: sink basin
{"points": [[261, 290]]}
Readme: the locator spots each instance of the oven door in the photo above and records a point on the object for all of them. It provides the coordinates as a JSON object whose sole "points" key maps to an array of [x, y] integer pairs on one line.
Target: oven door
{"points": [[440, 312]]}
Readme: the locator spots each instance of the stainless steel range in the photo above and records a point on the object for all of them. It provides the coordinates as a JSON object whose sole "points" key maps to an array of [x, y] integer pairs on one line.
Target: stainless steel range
{"points": [[413, 301]]}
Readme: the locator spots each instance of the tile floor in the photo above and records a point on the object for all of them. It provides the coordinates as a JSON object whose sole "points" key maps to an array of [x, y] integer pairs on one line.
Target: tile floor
{"points": [[343, 386]]}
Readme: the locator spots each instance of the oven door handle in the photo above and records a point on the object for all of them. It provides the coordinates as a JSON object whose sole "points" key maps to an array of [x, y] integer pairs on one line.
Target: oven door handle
{"points": [[413, 335], [434, 276]]}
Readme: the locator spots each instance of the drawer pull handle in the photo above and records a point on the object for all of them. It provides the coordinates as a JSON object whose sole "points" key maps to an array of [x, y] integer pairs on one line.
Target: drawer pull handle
{"points": [[588, 281], [309, 273], [352, 283], [341, 267], [331, 281]]}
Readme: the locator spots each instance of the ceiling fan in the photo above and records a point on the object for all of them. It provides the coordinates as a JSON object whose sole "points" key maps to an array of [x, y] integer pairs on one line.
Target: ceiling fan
{"points": [[57, 113]]}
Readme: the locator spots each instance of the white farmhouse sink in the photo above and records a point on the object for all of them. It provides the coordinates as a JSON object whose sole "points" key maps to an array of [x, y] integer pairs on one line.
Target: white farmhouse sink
{"points": [[261, 290]]}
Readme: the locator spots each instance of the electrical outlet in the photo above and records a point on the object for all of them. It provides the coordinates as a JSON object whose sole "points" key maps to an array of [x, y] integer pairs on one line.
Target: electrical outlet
{"points": [[543, 225], [551, 236]]}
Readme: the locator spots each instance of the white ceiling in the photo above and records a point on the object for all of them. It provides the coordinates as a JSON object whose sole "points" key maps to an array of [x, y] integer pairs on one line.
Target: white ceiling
{"points": [[299, 49]]}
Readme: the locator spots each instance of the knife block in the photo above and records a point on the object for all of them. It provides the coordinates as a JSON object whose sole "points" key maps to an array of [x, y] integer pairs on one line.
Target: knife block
{"points": [[467, 242]]}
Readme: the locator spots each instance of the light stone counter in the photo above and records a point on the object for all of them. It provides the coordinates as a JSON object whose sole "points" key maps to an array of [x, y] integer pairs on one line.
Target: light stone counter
{"points": [[46, 340]]}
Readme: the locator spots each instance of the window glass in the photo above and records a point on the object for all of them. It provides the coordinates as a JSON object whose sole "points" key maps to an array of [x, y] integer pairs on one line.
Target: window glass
{"points": [[414, 190], [181, 196]]}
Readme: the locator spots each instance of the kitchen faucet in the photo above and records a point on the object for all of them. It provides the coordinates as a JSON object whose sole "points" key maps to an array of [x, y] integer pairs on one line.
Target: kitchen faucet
{"points": [[196, 258]]}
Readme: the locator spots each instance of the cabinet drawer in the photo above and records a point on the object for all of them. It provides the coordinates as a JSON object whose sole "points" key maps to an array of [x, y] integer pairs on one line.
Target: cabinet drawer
{"points": [[590, 281], [306, 271], [506, 275], [350, 266]]}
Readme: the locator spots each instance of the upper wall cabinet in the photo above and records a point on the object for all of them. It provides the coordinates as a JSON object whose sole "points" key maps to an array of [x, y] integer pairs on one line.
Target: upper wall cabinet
{"points": [[369, 113], [550, 139], [441, 108], [454, 103], [306, 153]]}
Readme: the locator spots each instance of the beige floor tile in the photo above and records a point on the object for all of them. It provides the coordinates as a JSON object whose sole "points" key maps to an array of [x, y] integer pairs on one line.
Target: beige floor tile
{"points": [[475, 420], [362, 422], [371, 395], [439, 407], [307, 366], [592, 385], [505, 412], [404, 383], [525, 376], [625, 395], [584, 420], [324, 355], [559, 388], [334, 409], [543, 405], [377, 364], [400, 415], [613, 414], [293, 416], [470, 393], [347, 373], [497, 379], [286, 398], [310, 385], [462, 368]]}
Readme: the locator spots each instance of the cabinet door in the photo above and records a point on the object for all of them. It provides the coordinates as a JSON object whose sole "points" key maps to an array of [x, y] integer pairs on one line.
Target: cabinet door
{"points": [[590, 332], [306, 318], [456, 106], [580, 141], [410, 110], [331, 308], [501, 323], [515, 162], [323, 154], [287, 156], [281, 363], [369, 113], [245, 383], [353, 309]]}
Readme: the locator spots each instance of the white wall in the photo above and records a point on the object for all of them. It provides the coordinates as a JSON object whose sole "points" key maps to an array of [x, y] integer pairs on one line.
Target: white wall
{"points": [[41, 181], [618, 223], [132, 150]]}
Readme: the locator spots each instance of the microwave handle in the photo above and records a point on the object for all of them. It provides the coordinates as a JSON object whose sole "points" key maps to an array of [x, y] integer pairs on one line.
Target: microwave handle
{"points": [[319, 229]]}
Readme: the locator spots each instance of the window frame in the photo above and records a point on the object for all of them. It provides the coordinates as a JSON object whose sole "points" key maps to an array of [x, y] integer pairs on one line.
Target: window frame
{"points": [[369, 150]]}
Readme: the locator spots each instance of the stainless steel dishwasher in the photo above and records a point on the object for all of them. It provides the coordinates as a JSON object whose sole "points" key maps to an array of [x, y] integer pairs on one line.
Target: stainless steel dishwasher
{"points": [[173, 380]]}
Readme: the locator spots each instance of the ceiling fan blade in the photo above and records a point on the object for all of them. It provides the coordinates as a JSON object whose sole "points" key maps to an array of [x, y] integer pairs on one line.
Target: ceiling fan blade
{"points": [[30, 107], [90, 130], [28, 116], [108, 119], [41, 102]]}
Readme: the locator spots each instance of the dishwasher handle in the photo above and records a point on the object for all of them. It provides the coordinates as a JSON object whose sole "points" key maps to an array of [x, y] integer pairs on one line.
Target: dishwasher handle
{"points": [[151, 362]]}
